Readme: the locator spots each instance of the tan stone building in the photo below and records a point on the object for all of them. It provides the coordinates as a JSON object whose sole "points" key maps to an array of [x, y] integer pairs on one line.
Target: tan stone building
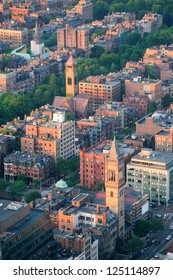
{"points": [[16, 38]]}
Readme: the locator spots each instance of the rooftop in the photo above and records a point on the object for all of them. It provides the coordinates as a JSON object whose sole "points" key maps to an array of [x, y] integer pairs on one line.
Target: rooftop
{"points": [[152, 156]]}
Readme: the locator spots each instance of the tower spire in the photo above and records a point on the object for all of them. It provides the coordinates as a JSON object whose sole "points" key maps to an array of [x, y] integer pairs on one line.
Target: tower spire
{"points": [[114, 150]]}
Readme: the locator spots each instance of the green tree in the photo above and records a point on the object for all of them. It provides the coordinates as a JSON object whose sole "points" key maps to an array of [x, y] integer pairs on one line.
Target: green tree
{"points": [[31, 196], [141, 228], [100, 9], [69, 116], [149, 71], [100, 186], [97, 51], [133, 38], [166, 100], [135, 244], [16, 187], [156, 225], [152, 107], [73, 179], [3, 185]]}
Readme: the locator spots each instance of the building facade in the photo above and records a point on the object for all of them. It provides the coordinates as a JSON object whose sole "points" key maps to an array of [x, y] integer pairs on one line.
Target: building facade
{"points": [[15, 38], [100, 89], [69, 37], [151, 173], [32, 166]]}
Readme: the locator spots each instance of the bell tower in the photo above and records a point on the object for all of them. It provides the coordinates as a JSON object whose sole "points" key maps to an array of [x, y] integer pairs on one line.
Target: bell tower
{"points": [[114, 185], [71, 78]]}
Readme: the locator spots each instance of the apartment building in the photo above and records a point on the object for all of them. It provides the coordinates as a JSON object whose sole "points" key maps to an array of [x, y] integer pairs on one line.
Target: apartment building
{"points": [[150, 22], [151, 124], [124, 115], [83, 8], [22, 230], [149, 87], [32, 166], [19, 13], [136, 206], [15, 38], [7, 143], [140, 102], [100, 89], [151, 172], [82, 243], [69, 37], [164, 141], [51, 136]]}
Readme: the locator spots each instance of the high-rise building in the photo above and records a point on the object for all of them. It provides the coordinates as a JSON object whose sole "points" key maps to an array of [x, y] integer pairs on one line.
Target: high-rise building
{"points": [[73, 38], [114, 185], [151, 172], [71, 77]]}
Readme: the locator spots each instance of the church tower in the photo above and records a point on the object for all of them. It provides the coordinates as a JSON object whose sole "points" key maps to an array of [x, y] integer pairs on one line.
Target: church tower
{"points": [[71, 78], [37, 45], [114, 185]]}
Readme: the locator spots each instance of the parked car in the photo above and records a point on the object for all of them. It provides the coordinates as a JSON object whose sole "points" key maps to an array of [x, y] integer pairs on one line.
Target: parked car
{"points": [[171, 227], [168, 237], [158, 215], [156, 256]]}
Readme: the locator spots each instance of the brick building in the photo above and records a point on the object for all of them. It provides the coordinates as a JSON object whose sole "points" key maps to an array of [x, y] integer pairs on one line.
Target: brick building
{"points": [[164, 141], [124, 115], [6, 146], [140, 102], [84, 8], [100, 89], [93, 160], [50, 134], [32, 166], [69, 37], [19, 13], [149, 87], [82, 243], [150, 125]]}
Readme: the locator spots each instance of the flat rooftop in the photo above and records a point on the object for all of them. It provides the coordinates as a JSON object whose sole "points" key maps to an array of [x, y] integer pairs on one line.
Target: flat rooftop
{"points": [[6, 213], [80, 197], [153, 156]]}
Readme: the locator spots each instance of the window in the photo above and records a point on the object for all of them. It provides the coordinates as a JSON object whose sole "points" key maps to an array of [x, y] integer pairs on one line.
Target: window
{"points": [[69, 81]]}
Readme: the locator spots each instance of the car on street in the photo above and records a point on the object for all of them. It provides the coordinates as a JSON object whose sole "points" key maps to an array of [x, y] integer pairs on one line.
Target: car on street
{"points": [[168, 237], [157, 242], [171, 227], [156, 256]]}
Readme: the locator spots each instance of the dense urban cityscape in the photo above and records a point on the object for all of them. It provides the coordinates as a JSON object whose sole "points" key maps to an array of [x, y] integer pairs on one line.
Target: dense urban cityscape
{"points": [[86, 130]]}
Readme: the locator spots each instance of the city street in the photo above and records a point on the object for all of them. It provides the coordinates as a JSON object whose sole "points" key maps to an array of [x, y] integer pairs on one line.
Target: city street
{"points": [[150, 252]]}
